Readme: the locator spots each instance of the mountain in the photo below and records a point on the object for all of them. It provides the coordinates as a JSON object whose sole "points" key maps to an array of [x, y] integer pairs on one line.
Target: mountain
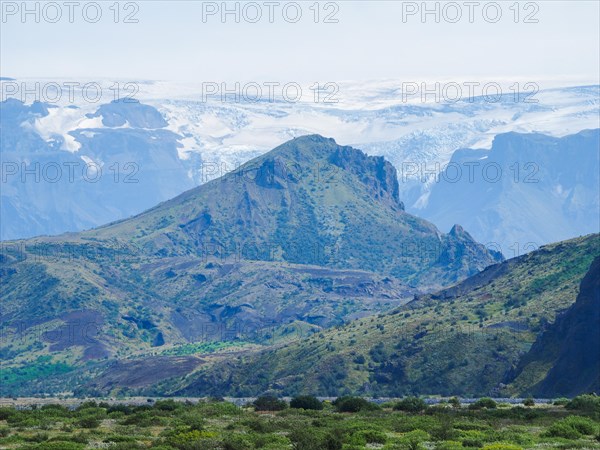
{"points": [[566, 357], [465, 340], [170, 140], [526, 191], [308, 201], [119, 161], [308, 236]]}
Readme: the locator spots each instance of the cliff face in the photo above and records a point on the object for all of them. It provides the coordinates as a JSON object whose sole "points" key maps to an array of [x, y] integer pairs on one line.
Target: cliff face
{"points": [[377, 173], [570, 346]]}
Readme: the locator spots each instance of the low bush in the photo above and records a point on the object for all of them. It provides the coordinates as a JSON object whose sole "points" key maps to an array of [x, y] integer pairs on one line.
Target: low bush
{"points": [[563, 430], [353, 404], [529, 402], [306, 402], [589, 403], [56, 445], [304, 439], [484, 402], [472, 438], [237, 442], [413, 440], [88, 422], [573, 427], [269, 403], [501, 446], [373, 436], [411, 404], [449, 445]]}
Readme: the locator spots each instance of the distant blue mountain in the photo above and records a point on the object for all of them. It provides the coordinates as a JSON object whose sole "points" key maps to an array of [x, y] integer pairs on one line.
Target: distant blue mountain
{"points": [[528, 190], [116, 172]]}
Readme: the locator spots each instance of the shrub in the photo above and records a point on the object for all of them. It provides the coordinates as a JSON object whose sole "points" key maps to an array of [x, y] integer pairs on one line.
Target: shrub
{"points": [[89, 422], [193, 440], [353, 404], [373, 436], [473, 438], [38, 437], [501, 446], [563, 430], [87, 404], [413, 439], [484, 402], [259, 425], [144, 419], [56, 445], [218, 409], [360, 359], [118, 438], [6, 413], [306, 402], [269, 403], [125, 409], [572, 427], [411, 404], [528, 402], [449, 445], [304, 439], [167, 405], [194, 421], [127, 446], [588, 403], [517, 435], [454, 402], [334, 440], [237, 442], [270, 441]]}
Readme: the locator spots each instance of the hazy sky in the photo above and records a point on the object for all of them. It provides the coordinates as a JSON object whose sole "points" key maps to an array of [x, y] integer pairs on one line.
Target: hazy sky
{"points": [[374, 40]]}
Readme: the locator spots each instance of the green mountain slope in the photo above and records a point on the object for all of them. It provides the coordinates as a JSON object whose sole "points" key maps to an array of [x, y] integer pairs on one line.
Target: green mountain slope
{"points": [[565, 359], [311, 234], [308, 201], [465, 340]]}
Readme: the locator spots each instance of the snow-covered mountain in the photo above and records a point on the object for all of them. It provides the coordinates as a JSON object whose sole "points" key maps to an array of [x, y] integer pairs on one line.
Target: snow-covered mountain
{"points": [[121, 157]]}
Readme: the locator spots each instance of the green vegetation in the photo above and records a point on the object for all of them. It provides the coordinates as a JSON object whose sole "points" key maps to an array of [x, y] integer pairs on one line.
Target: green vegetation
{"points": [[411, 404], [353, 404], [348, 424], [588, 403], [200, 348], [485, 402], [41, 368], [269, 403], [302, 238], [306, 402], [460, 341]]}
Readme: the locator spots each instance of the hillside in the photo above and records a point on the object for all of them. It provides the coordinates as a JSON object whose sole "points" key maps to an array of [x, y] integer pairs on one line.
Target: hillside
{"points": [[311, 234], [465, 340], [308, 201], [565, 359]]}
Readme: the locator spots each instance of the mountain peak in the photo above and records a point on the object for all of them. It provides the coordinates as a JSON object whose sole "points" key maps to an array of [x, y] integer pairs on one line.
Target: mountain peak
{"points": [[315, 138], [458, 231], [308, 201], [332, 162]]}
